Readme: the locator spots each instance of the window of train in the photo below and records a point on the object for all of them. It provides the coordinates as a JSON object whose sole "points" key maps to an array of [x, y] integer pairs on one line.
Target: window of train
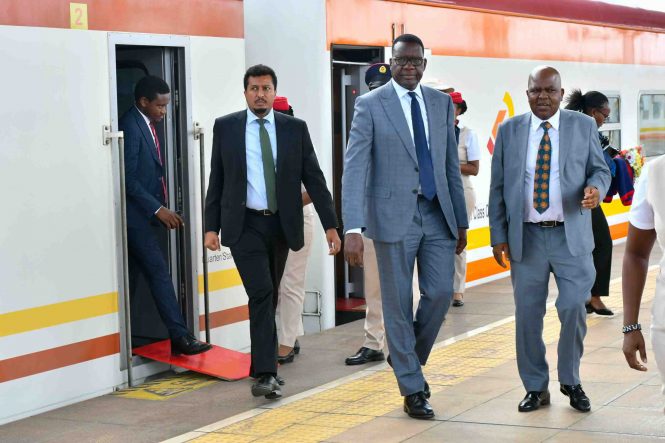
{"points": [[652, 123], [612, 126]]}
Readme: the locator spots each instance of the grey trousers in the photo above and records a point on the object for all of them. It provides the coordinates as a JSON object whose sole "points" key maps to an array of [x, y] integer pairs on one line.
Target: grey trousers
{"points": [[545, 251], [375, 332], [410, 341]]}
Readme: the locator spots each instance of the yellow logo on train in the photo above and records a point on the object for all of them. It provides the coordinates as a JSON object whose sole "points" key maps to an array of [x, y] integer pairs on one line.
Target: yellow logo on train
{"points": [[500, 117]]}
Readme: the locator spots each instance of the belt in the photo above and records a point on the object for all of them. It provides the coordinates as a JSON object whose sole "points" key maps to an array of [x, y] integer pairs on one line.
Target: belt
{"points": [[548, 224], [264, 212]]}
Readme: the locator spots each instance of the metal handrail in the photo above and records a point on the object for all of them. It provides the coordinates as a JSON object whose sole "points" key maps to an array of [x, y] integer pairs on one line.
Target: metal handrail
{"points": [[120, 136], [199, 135]]}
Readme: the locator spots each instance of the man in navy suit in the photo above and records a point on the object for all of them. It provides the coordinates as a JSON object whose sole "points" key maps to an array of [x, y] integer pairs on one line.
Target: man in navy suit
{"points": [[146, 206]]}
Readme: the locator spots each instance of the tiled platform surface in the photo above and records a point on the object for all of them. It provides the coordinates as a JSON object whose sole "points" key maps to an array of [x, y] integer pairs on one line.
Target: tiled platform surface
{"points": [[475, 382], [476, 390]]}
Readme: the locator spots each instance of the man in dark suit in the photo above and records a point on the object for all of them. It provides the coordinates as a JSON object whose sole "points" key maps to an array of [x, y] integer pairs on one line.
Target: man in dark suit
{"points": [[146, 206], [259, 159]]}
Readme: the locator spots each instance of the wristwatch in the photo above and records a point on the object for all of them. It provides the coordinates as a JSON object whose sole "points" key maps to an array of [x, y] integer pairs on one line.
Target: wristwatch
{"points": [[631, 328]]}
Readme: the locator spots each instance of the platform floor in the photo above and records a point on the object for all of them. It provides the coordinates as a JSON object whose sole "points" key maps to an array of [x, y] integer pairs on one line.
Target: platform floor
{"points": [[472, 372]]}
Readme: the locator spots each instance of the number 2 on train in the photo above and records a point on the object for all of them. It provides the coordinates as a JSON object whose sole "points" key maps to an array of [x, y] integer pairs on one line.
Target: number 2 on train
{"points": [[78, 16]]}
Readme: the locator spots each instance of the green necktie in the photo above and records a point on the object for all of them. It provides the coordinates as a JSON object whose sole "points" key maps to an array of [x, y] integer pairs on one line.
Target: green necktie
{"points": [[268, 166]]}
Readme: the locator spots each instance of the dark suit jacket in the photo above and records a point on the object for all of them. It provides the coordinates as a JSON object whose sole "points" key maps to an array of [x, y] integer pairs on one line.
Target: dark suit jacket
{"points": [[143, 172], [296, 164]]}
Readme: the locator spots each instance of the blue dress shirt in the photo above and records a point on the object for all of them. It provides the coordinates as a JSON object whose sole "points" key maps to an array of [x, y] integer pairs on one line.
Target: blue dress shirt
{"points": [[256, 185]]}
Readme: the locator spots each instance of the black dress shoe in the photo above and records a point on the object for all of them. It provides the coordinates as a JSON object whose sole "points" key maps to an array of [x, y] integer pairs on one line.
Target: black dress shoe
{"points": [[600, 311], [296, 347], [188, 345], [365, 355], [533, 400], [280, 380], [458, 303], [288, 358], [578, 398], [427, 391], [417, 406], [268, 386]]}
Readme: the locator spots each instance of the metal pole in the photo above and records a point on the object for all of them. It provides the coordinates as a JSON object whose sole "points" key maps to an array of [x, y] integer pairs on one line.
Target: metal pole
{"points": [[199, 135], [345, 81], [108, 136], [125, 256]]}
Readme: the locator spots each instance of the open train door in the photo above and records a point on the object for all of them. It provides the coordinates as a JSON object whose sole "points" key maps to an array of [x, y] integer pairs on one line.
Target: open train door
{"points": [[145, 338], [349, 64]]}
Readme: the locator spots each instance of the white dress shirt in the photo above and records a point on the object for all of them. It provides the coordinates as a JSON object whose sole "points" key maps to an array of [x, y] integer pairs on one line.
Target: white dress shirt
{"points": [[641, 212], [405, 101], [256, 184], [555, 210]]}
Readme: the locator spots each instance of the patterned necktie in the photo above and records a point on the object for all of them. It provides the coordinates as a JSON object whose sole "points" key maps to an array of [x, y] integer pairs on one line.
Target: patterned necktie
{"points": [[268, 166], [425, 169], [541, 178], [159, 156]]}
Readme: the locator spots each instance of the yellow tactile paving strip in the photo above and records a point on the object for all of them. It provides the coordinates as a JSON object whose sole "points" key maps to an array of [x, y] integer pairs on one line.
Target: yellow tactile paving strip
{"points": [[329, 413], [168, 387]]}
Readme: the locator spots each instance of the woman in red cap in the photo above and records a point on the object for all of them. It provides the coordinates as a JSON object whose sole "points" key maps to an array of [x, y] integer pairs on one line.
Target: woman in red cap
{"points": [[469, 158]]}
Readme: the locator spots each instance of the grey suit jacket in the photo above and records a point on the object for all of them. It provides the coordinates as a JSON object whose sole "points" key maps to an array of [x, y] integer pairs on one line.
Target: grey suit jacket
{"points": [[381, 179], [581, 164]]}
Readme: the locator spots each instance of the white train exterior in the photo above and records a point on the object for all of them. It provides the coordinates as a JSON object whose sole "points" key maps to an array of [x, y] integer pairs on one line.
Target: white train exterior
{"points": [[61, 292]]}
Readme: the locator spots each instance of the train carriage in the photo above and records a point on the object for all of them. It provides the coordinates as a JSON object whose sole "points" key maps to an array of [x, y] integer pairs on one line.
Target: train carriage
{"points": [[68, 71]]}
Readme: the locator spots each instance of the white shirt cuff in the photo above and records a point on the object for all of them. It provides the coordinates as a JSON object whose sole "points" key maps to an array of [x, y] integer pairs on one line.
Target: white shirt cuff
{"points": [[354, 231]]}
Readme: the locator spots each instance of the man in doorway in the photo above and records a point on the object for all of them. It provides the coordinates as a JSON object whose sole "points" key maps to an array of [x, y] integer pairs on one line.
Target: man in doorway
{"points": [[548, 172], [372, 349], [259, 160], [146, 207], [402, 186]]}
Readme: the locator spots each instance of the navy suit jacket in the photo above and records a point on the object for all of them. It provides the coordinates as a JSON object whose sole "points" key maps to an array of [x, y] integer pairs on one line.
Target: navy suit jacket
{"points": [[143, 171]]}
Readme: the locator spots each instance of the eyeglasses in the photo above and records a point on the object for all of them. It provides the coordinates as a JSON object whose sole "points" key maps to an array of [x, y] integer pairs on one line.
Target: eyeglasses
{"points": [[402, 61], [605, 116]]}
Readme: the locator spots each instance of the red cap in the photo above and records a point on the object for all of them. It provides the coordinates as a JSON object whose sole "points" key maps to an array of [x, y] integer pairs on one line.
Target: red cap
{"points": [[457, 97], [280, 104]]}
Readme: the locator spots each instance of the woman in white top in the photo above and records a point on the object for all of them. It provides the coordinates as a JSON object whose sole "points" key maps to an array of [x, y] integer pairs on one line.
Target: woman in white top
{"points": [[469, 159], [647, 224]]}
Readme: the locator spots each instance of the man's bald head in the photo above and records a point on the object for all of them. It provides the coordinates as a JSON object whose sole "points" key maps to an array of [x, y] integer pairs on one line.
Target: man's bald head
{"points": [[544, 91]]}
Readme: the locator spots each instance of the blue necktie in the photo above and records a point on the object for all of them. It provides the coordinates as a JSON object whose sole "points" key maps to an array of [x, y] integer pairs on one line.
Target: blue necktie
{"points": [[425, 169]]}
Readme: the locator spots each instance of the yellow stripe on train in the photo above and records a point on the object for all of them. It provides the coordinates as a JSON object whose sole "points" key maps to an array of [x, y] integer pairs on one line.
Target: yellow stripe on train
{"points": [[480, 237], [58, 313]]}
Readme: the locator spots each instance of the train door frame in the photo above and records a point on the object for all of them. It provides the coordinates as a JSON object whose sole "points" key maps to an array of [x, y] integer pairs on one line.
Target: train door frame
{"points": [[355, 58], [188, 241]]}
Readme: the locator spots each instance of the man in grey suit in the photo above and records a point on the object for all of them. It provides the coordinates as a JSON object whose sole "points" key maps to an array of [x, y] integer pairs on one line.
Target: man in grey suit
{"points": [[402, 186], [547, 173]]}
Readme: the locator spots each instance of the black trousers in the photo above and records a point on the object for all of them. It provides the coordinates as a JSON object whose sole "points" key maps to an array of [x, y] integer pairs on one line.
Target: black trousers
{"points": [[260, 256], [602, 253]]}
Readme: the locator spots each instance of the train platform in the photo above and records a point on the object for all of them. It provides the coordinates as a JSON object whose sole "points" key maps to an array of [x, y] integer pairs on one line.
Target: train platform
{"points": [[472, 373]]}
